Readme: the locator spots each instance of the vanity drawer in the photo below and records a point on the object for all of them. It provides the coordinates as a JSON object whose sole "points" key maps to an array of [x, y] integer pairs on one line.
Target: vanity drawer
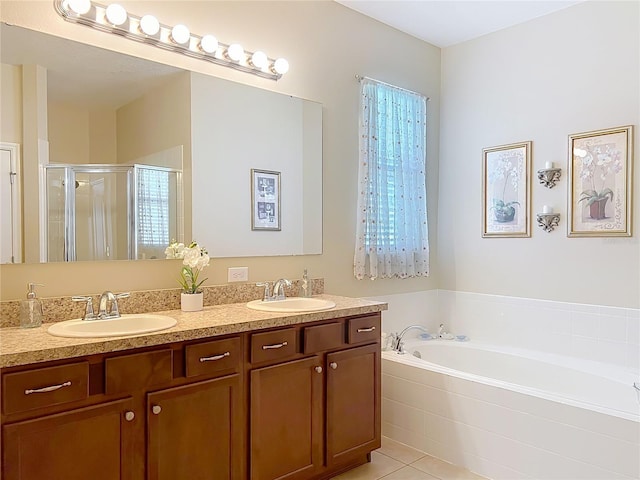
{"points": [[138, 371], [323, 337], [363, 329], [276, 345], [211, 357], [43, 387]]}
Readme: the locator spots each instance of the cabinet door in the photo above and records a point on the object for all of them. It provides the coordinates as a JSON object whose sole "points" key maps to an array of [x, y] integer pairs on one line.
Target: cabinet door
{"points": [[195, 431], [286, 420], [353, 403], [85, 443]]}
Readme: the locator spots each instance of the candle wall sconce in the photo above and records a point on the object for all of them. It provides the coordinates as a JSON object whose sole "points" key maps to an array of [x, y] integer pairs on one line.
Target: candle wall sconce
{"points": [[548, 221], [549, 175]]}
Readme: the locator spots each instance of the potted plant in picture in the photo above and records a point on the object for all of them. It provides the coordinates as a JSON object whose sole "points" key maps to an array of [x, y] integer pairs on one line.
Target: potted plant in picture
{"points": [[597, 163], [504, 174], [194, 259]]}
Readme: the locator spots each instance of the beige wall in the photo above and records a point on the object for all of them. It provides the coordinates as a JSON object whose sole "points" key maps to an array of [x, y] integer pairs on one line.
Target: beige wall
{"points": [[326, 45], [573, 71], [11, 103]]}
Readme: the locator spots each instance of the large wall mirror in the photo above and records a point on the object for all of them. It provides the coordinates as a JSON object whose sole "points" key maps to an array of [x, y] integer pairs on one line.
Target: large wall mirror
{"points": [[130, 154]]}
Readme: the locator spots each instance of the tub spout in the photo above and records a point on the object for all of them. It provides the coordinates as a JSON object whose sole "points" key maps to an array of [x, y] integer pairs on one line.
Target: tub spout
{"points": [[396, 338]]}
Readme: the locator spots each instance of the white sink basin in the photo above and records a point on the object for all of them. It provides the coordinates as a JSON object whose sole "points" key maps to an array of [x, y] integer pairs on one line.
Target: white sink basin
{"points": [[292, 305], [113, 327]]}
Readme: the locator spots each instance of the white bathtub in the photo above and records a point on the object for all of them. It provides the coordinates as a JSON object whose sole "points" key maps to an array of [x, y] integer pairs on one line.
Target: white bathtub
{"points": [[505, 413]]}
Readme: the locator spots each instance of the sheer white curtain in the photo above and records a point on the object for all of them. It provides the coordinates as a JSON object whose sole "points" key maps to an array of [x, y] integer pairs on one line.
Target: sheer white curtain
{"points": [[391, 233]]}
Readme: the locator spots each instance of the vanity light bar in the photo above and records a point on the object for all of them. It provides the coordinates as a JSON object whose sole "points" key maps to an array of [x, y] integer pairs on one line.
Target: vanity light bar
{"points": [[115, 19]]}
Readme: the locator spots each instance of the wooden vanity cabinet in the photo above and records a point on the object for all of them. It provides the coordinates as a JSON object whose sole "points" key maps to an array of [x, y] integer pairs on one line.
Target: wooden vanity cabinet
{"points": [[316, 412], [166, 412], [297, 403], [91, 442]]}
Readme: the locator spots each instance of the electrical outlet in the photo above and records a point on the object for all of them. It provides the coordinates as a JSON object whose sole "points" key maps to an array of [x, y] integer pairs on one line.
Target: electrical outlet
{"points": [[238, 274]]}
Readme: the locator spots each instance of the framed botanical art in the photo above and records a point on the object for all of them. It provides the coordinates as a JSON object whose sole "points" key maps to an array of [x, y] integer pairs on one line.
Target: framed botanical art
{"points": [[265, 200], [506, 190], [600, 176]]}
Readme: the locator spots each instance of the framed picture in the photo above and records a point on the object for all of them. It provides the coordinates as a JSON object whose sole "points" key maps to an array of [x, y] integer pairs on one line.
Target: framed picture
{"points": [[265, 200], [506, 190], [600, 176]]}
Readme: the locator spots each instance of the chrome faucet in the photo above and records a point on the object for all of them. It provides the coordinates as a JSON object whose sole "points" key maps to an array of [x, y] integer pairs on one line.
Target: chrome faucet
{"points": [[106, 298], [396, 338], [278, 289]]}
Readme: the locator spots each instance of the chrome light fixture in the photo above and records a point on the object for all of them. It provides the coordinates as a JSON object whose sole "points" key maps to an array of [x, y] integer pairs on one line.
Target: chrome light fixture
{"points": [[113, 18]]}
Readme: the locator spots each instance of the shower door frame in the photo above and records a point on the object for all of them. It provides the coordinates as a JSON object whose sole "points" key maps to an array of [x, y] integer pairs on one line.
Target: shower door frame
{"points": [[70, 171]]}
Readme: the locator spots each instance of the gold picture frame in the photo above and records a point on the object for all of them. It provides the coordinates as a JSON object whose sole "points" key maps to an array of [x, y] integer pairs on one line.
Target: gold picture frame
{"points": [[506, 190], [600, 172]]}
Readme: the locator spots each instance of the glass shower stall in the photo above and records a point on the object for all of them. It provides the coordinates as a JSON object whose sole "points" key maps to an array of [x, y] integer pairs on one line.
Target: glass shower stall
{"points": [[111, 212]]}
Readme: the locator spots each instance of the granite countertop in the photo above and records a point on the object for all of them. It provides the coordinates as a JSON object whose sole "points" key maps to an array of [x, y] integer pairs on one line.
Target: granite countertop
{"points": [[26, 346]]}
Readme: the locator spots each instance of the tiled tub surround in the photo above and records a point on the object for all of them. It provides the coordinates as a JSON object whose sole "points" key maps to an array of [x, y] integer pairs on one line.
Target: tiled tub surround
{"points": [[502, 433], [590, 332], [28, 346], [499, 430], [58, 309]]}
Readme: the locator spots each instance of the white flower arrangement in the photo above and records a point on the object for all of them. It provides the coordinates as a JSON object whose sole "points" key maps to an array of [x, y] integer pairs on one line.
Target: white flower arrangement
{"points": [[194, 258]]}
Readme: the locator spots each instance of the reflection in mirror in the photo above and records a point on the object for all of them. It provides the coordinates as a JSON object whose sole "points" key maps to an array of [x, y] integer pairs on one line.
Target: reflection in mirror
{"points": [[99, 127]]}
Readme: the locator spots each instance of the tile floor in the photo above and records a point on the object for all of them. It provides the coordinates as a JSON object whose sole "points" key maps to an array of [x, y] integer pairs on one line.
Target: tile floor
{"points": [[396, 461]]}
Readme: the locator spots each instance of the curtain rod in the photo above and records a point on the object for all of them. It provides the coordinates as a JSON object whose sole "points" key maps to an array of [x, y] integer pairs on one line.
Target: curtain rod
{"points": [[360, 78]]}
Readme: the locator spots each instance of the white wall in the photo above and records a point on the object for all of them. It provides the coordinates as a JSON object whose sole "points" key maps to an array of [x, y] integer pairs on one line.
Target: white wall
{"points": [[573, 71], [326, 45]]}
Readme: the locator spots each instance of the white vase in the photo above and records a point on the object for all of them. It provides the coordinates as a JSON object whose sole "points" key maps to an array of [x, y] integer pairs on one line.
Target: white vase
{"points": [[191, 302]]}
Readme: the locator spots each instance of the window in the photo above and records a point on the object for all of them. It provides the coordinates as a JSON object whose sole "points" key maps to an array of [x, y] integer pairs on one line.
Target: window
{"points": [[391, 233], [153, 207]]}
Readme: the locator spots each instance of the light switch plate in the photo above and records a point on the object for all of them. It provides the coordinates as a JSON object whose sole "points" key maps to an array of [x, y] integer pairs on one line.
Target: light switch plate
{"points": [[238, 274]]}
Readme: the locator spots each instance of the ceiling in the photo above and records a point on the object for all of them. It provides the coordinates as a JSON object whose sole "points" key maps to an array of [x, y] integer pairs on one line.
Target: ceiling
{"points": [[447, 22]]}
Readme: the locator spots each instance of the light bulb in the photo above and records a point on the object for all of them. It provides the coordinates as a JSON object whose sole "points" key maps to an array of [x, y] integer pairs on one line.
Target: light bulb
{"points": [[209, 44], [180, 34], [116, 14], [281, 66], [259, 59], [235, 52], [149, 25], [80, 6]]}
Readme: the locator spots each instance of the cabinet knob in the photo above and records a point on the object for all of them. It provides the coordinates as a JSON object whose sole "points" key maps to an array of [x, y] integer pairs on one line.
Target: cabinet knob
{"points": [[129, 416], [333, 365], [156, 409], [318, 369]]}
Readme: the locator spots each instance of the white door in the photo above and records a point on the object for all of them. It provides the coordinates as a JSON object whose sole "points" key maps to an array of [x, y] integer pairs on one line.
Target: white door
{"points": [[10, 220]]}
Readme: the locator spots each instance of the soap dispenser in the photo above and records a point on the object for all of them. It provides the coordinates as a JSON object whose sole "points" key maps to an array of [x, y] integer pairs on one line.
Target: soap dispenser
{"points": [[31, 308], [305, 286]]}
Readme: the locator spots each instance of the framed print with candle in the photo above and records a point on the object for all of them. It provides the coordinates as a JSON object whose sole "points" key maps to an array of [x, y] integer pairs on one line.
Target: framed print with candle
{"points": [[265, 200], [506, 190], [600, 183]]}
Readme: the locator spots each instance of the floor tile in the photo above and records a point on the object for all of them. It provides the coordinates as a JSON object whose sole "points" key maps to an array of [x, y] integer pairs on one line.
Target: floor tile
{"points": [[409, 473], [379, 466], [443, 470], [399, 451]]}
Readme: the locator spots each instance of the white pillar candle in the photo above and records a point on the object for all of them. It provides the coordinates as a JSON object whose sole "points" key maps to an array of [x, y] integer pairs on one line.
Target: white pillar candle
{"points": [[547, 209], [548, 165]]}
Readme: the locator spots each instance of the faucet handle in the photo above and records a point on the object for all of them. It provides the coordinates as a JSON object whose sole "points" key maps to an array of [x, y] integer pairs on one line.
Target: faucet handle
{"points": [[267, 290], [88, 311], [115, 311]]}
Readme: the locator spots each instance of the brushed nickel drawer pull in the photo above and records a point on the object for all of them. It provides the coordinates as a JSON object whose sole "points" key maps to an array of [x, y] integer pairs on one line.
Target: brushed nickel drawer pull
{"points": [[215, 357], [156, 409], [47, 389], [277, 345], [318, 369], [369, 329], [333, 365], [129, 416]]}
